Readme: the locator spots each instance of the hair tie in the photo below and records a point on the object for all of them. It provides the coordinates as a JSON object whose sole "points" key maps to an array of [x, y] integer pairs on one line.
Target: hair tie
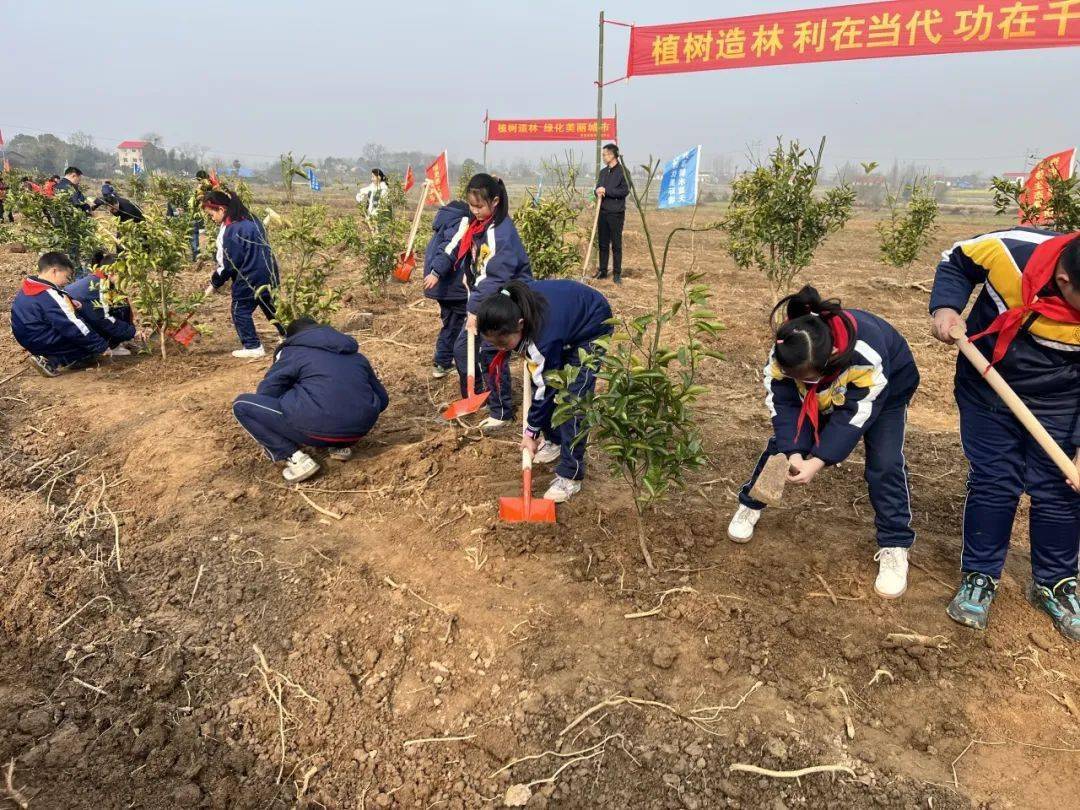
{"points": [[506, 292], [779, 341]]}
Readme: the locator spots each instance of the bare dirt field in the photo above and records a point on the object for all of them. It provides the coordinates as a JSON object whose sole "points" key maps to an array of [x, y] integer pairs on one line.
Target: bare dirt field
{"points": [[179, 629]]}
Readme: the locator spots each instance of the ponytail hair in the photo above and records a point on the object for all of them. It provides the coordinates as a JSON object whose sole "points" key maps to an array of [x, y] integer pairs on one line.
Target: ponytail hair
{"points": [[804, 341], [234, 207], [500, 313], [488, 188]]}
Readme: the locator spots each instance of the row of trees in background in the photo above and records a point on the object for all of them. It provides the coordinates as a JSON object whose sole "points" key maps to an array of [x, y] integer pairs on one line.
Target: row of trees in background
{"points": [[48, 154]]}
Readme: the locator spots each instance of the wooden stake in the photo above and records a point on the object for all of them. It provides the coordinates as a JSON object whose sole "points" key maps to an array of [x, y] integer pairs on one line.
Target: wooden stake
{"points": [[592, 238], [416, 217]]}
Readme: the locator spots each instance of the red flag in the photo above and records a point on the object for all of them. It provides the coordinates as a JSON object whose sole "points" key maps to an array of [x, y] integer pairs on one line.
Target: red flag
{"points": [[1, 138], [1037, 188], [214, 179], [437, 173], [409, 179]]}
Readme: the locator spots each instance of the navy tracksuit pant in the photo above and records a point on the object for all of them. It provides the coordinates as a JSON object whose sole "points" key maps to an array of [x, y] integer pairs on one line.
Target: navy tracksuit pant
{"points": [[244, 304], [886, 475], [501, 401], [261, 416], [572, 452], [1005, 461], [453, 316]]}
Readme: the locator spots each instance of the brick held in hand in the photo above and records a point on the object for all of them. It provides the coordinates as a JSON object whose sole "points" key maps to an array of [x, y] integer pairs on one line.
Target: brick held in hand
{"points": [[769, 487]]}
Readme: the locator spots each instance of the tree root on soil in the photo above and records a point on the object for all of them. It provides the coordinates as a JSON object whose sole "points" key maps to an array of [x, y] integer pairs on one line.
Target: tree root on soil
{"points": [[12, 792], [702, 717], [518, 795], [660, 604], [276, 692], [754, 769]]}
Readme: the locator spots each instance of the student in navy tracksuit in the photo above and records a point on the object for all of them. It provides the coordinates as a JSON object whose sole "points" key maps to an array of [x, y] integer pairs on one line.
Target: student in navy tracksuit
{"points": [[835, 376], [100, 307], [549, 322], [444, 282], [1026, 321], [320, 392], [45, 319], [243, 257], [489, 252]]}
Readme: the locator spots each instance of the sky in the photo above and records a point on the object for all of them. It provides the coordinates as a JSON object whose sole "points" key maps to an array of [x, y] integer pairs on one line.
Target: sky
{"points": [[324, 77]]}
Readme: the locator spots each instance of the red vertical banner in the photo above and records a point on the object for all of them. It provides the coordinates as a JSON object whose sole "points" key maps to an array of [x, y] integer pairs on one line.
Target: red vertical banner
{"points": [[860, 31], [1037, 188], [439, 175], [409, 179], [550, 129]]}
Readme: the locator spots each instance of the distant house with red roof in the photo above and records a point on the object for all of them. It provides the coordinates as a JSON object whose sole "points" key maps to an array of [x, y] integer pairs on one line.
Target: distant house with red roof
{"points": [[128, 153]]}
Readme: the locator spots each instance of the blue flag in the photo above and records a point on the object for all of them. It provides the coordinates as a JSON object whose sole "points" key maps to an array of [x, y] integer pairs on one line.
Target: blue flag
{"points": [[136, 168], [313, 181], [679, 182]]}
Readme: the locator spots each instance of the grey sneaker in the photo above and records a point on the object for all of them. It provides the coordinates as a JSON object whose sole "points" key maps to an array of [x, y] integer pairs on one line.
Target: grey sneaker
{"points": [[43, 367], [971, 605], [340, 453], [562, 489], [1061, 603], [491, 423], [438, 372], [299, 467]]}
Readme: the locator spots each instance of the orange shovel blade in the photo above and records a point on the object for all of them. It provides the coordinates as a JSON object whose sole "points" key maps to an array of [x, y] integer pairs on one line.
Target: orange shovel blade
{"points": [[185, 335], [464, 407], [540, 510], [405, 266]]}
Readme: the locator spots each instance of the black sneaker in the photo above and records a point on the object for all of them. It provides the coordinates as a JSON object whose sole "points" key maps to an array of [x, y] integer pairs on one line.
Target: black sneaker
{"points": [[971, 605], [617, 279], [1062, 603], [43, 367], [600, 275]]}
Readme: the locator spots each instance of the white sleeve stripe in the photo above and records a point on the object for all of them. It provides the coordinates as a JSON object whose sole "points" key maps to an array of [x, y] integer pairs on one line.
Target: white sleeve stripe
{"points": [[866, 404], [71, 316], [538, 360], [451, 247], [768, 381]]}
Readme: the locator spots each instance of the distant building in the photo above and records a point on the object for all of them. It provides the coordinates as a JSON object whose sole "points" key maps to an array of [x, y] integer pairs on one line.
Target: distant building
{"points": [[130, 153]]}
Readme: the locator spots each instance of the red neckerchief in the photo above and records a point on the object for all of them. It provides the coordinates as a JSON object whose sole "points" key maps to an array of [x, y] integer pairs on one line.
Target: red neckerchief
{"points": [[1038, 272], [476, 227], [495, 368], [843, 330]]}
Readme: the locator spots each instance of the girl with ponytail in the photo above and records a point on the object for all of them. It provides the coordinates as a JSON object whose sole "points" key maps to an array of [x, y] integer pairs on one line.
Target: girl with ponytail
{"points": [[549, 323], [244, 258], [835, 376], [488, 252]]}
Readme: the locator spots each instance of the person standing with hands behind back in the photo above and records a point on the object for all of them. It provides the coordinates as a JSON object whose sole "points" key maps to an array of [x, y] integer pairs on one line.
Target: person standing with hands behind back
{"points": [[611, 189]]}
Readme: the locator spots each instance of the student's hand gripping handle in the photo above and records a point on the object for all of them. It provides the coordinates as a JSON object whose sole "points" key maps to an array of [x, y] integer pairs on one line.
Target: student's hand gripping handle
{"points": [[1016, 405]]}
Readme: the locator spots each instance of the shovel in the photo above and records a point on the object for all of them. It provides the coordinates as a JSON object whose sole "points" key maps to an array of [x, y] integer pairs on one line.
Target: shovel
{"points": [[592, 238], [407, 260], [472, 401], [526, 509], [1015, 404]]}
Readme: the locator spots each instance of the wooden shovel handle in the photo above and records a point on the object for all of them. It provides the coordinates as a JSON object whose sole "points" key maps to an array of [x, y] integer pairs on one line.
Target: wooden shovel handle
{"points": [[592, 238], [1015, 404], [416, 217]]}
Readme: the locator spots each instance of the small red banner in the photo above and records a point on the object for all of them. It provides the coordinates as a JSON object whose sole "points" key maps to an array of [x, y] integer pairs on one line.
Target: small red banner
{"points": [[1037, 188], [861, 31], [439, 175], [409, 179], [550, 129]]}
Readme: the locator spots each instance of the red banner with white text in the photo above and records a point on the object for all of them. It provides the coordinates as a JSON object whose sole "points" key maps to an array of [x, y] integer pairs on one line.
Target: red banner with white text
{"points": [[439, 175], [550, 129], [860, 31]]}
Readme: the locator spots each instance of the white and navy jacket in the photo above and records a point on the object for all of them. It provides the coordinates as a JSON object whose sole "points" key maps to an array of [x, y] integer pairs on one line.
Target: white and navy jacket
{"points": [[112, 322], [882, 370], [576, 316], [45, 321], [496, 258], [244, 257]]}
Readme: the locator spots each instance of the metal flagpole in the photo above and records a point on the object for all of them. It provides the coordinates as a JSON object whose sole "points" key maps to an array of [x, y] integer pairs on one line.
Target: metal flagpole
{"points": [[600, 96]]}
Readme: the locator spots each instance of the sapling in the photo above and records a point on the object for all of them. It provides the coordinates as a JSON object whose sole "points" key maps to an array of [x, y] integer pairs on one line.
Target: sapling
{"points": [[544, 227], [386, 243], [775, 222], [53, 223], [153, 255], [302, 242], [909, 227], [641, 413]]}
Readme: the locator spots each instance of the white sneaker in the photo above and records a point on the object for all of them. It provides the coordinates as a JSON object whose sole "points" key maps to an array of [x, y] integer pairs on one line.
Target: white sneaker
{"points": [[547, 453], [741, 528], [250, 354], [491, 423], [562, 489], [120, 351], [340, 453], [891, 580], [438, 372], [299, 467]]}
